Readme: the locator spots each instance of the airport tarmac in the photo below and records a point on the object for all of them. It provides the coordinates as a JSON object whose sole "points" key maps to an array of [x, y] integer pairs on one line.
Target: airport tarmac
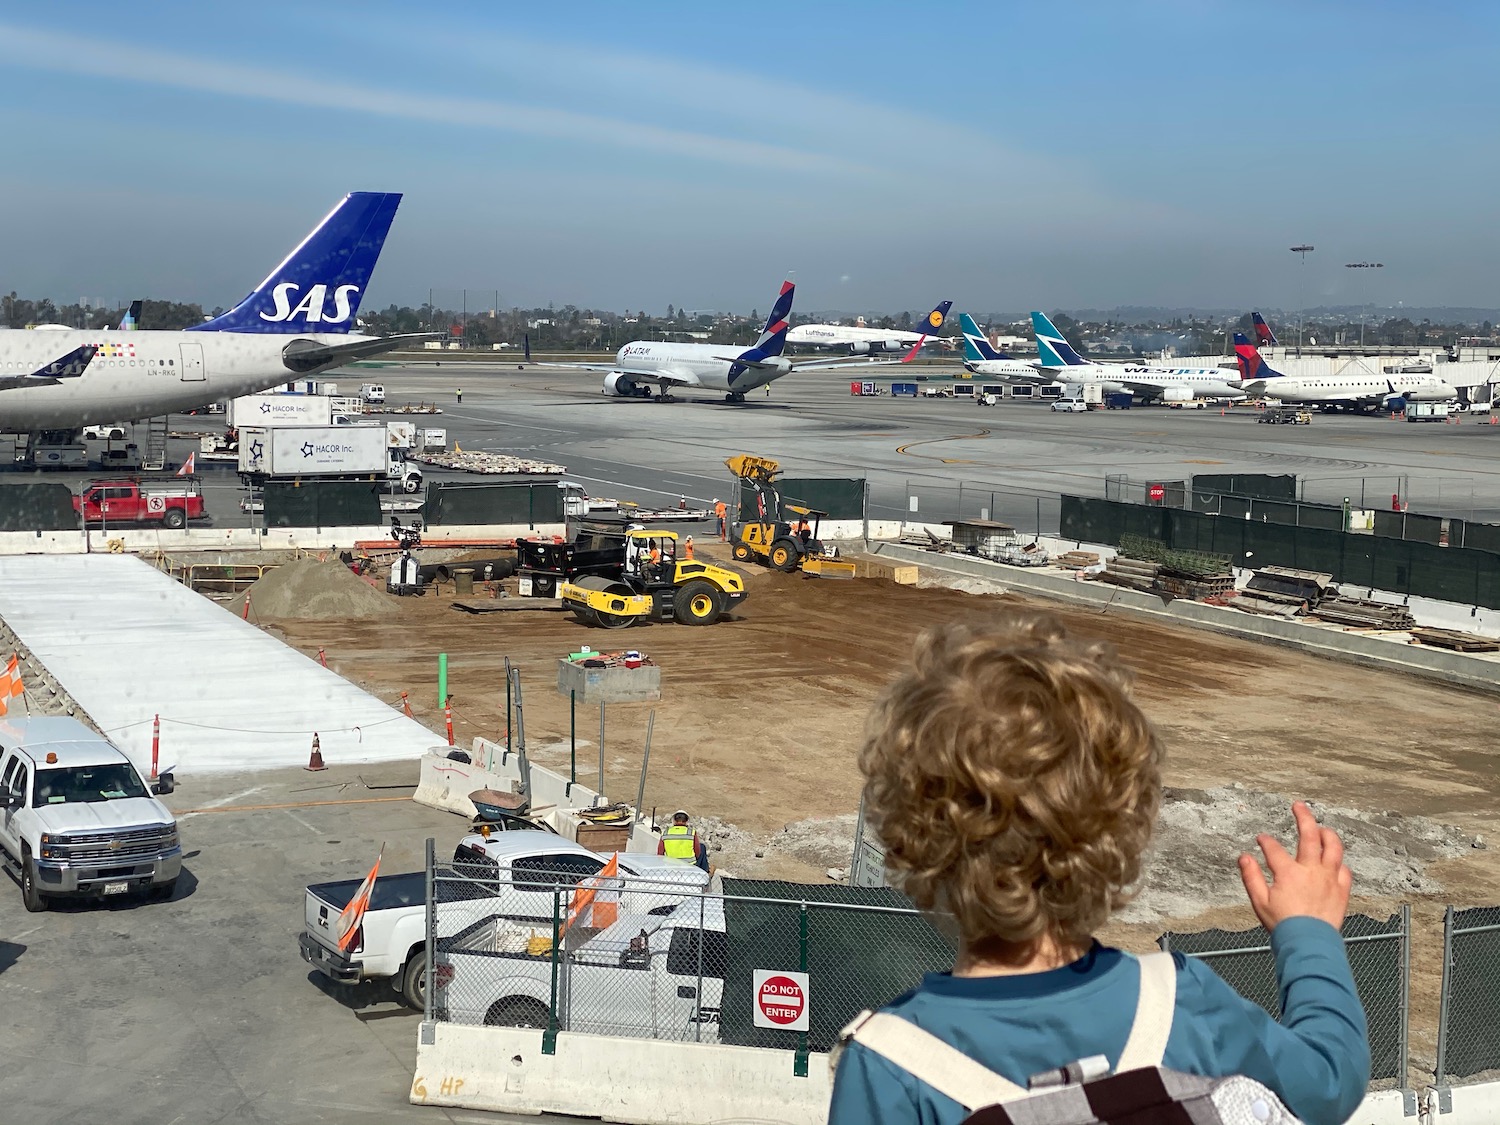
{"points": [[1009, 461]]}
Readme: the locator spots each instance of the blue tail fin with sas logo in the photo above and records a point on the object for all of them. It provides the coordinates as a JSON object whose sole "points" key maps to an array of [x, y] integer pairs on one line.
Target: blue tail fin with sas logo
{"points": [[318, 287], [1053, 350], [977, 346]]}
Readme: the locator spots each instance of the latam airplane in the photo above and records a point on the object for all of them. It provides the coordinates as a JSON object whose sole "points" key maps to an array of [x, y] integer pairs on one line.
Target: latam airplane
{"points": [[981, 358], [1333, 392], [868, 341], [294, 323], [733, 371], [1059, 361]]}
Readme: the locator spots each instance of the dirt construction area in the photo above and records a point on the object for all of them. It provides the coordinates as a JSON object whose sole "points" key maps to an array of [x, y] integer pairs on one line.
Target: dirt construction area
{"points": [[760, 720]]}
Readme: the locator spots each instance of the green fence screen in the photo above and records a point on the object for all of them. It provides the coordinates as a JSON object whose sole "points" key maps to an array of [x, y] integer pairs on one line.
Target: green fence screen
{"points": [[37, 507], [842, 498], [331, 503], [512, 502], [1261, 486]]}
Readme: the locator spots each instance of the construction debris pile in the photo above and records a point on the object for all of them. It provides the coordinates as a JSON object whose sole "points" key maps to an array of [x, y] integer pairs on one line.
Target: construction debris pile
{"points": [[1283, 591], [625, 658], [999, 542], [490, 464], [308, 590], [1146, 564]]}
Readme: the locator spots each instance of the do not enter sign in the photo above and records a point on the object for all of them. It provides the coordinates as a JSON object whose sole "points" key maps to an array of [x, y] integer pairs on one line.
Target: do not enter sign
{"points": [[781, 1000]]}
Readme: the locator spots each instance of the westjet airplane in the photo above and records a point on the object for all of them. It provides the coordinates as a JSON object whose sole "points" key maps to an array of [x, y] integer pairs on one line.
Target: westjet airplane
{"points": [[1333, 392], [981, 358], [1059, 361], [642, 364], [295, 323], [869, 341]]}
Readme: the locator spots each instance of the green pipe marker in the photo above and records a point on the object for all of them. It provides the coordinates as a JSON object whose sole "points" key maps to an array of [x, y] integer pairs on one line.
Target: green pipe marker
{"points": [[442, 679]]}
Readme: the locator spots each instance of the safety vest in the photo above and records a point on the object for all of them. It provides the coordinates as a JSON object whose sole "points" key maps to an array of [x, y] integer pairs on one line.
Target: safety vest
{"points": [[677, 842]]}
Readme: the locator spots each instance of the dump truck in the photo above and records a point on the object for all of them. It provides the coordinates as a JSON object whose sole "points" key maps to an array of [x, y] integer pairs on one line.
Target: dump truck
{"points": [[773, 541], [654, 583]]}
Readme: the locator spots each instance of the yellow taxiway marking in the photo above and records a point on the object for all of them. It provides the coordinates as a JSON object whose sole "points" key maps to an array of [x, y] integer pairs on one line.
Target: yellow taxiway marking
{"points": [[909, 446]]}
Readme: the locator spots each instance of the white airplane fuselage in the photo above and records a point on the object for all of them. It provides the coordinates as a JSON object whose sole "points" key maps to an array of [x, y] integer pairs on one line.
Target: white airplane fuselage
{"points": [[141, 374], [837, 336], [1349, 390], [697, 365], [1149, 381]]}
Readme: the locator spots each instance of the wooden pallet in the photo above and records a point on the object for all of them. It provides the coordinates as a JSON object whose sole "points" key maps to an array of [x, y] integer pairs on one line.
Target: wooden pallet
{"points": [[1456, 640]]}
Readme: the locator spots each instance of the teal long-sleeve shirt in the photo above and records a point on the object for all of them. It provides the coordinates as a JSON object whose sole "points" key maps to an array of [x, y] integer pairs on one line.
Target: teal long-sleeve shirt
{"points": [[1317, 1059]]}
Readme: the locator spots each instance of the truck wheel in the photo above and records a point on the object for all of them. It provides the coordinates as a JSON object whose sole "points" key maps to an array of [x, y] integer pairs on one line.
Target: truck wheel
{"points": [[31, 896], [740, 552], [414, 981], [174, 518], [163, 892], [697, 603], [411, 484], [783, 555], [516, 1011]]}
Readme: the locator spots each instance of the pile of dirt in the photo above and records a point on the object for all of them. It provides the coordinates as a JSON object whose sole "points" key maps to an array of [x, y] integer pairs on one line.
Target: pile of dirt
{"points": [[1201, 833], [803, 850], [307, 590]]}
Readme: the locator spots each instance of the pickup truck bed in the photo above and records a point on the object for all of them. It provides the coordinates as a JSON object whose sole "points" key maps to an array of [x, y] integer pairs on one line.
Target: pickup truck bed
{"points": [[390, 891]]}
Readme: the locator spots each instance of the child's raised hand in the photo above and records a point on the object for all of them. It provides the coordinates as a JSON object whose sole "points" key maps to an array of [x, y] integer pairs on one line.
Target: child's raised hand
{"points": [[1314, 884]]}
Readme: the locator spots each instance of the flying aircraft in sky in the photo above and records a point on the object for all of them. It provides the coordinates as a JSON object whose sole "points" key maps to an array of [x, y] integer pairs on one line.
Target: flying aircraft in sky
{"points": [[858, 340], [1059, 361], [731, 370], [1350, 391], [294, 323]]}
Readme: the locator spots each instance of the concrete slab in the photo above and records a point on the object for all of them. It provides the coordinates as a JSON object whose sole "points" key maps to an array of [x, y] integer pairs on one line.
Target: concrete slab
{"points": [[128, 642]]}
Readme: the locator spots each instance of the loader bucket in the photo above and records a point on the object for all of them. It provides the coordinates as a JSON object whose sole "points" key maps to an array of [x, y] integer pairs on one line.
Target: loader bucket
{"points": [[827, 568]]}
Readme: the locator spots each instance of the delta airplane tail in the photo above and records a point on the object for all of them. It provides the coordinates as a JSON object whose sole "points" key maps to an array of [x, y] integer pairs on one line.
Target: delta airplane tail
{"points": [[977, 346], [1253, 369], [1263, 334], [318, 287], [772, 340], [1050, 345]]}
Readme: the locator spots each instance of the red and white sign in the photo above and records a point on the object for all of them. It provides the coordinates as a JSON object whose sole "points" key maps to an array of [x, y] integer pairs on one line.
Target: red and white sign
{"points": [[781, 1000], [1156, 493]]}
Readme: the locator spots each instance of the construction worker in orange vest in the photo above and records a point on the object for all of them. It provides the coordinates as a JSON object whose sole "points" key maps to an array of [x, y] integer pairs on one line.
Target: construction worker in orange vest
{"points": [[720, 511], [687, 549]]}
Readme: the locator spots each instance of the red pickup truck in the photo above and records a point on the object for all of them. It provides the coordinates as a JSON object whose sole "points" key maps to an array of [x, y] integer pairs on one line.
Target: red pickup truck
{"points": [[128, 501]]}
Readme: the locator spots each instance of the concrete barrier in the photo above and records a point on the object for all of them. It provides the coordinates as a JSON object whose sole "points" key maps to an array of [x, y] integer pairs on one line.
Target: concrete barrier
{"points": [[1477, 672], [134, 540], [626, 1080], [1476, 1104]]}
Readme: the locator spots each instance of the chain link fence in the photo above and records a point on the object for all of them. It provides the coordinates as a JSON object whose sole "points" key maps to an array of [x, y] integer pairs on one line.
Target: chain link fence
{"points": [[1379, 955], [1469, 1003], [559, 942]]}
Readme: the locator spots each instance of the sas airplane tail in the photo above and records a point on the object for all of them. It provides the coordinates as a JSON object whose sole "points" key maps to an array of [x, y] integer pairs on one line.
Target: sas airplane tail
{"points": [[1052, 348], [1253, 369], [317, 288], [1264, 337], [977, 346], [132, 318]]}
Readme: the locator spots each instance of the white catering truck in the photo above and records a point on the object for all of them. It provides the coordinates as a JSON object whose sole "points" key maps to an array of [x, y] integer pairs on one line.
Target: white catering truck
{"points": [[77, 819], [325, 453]]}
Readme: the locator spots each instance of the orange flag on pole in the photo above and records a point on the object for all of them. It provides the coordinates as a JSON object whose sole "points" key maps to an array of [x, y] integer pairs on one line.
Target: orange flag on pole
{"points": [[594, 905], [10, 684], [347, 925], [187, 466]]}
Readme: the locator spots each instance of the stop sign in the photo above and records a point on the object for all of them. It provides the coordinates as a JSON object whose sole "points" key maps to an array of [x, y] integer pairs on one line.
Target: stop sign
{"points": [[781, 1000], [1156, 492]]}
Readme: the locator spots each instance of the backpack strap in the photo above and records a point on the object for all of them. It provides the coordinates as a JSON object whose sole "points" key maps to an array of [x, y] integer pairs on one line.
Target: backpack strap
{"points": [[926, 1057], [1153, 1014]]}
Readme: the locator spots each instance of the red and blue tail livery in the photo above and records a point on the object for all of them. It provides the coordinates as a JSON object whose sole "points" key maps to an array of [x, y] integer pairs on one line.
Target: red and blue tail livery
{"points": [[1263, 334], [318, 287], [1253, 369]]}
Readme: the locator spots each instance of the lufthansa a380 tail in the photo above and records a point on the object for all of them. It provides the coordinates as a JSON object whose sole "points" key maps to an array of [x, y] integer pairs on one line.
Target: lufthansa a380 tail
{"points": [[318, 287]]}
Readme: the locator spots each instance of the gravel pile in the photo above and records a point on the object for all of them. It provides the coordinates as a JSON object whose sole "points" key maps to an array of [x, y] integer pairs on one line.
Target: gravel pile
{"points": [[307, 590]]}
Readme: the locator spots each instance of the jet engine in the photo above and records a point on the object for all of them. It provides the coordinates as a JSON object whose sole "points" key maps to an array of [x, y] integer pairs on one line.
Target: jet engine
{"points": [[871, 347], [1177, 394], [622, 386]]}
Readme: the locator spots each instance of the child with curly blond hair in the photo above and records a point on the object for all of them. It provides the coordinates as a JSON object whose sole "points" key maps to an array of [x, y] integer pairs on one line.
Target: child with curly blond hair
{"points": [[1015, 785]]}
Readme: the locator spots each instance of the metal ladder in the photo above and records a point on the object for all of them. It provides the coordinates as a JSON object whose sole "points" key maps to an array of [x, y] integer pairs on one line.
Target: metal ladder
{"points": [[155, 457]]}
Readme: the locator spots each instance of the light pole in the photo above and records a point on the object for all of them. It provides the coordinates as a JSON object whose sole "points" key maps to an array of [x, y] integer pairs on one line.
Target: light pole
{"points": [[1363, 266], [1303, 250]]}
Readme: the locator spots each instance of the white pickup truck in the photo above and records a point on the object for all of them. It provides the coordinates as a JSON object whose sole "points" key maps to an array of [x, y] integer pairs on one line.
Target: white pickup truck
{"points": [[509, 875], [654, 976], [77, 819]]}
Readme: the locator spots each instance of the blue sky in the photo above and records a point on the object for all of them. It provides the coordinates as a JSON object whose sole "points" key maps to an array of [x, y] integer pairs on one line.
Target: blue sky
{"points": [[1006, 156]]}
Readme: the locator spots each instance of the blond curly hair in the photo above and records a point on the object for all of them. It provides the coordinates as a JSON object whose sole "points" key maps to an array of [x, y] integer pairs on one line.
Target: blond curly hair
{"points": [[1012, 780]]}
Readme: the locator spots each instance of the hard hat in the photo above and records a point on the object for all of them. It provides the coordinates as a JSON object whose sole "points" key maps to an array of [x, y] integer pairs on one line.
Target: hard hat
{"points": [[682, 813]]}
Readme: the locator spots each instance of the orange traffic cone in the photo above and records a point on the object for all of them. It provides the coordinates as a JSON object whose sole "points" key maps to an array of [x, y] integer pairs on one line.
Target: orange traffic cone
{"points": [[315, 759], [245, 613]]}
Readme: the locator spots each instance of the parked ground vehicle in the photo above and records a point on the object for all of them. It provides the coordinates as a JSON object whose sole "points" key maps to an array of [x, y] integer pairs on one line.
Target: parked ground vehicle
{"points": [[110, 431], [655, 583], [597, 549], [511, 875], [656, 976], [372, 394], [1070, 406], [78, 820], [130, 501], [1285, 416], [358, 452], [772, 541], [1119, 400]]}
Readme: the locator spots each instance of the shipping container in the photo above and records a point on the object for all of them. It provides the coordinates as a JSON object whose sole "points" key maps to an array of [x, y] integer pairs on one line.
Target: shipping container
{"points": [[433, 439], [904, 390], [314, 451], [281, 410], [1052, 390], [963, 390]]}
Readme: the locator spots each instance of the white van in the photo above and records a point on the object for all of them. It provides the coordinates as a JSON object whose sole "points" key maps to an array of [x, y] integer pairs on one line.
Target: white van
{"points": [[372, 394]]}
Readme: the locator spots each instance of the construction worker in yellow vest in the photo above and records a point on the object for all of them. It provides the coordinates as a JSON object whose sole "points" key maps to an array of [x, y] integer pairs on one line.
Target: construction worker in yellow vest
{"points": [[679, 841]]}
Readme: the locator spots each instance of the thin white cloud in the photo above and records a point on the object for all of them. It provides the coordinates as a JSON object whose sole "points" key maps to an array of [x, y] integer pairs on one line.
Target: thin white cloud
{"points": [[96, 57]]}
